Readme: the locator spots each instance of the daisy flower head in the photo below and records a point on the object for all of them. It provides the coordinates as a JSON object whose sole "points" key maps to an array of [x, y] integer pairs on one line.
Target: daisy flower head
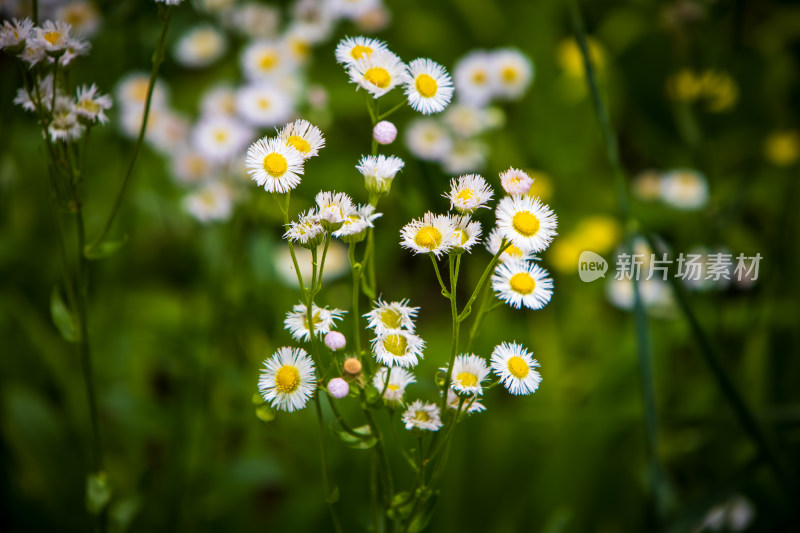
{"points": [[220, 138], [273, 165], [398, 348], [470, 405], [355, 225], [75, 47], [264, 59], [333, 208], [468, 194], [263, 104], [200, 46], [64, 125], [474, 77], [515, 367], [307, 231], [211, 202], [431, 234], [378, 73], [352, 49], [190, 166], [34, 53], [515, 181], [14, 33], [131, 91], [526, 222], [495, 240], [466, 234], [429, 87], [428, 139], [287, 379], [303, 137], [466, 120], [465, 155], [386, 317], [53, 36], [379, 172], [82, 15], [684, 189], [219, 100], [422, 415], [322, 320], [513, 73], [469, 371], [522, 283], [399, 379], [91, 105]]}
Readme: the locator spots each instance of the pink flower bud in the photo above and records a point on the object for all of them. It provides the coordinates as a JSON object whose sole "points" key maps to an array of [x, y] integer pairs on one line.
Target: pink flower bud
{"points": [[335, 341], [338, 388], [515, 181], [384, 132]]}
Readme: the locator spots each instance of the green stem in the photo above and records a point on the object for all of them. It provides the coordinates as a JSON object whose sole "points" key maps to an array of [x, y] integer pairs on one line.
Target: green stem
{"points": [[339, 418], [391, 111], [325, 478], [356, 269], [456, 324], [445, 292], [476, 323], [484, 277]]}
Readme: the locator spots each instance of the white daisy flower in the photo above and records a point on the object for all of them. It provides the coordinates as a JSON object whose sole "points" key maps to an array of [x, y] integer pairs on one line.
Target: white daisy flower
{"points": [[470, 405], [34, 52], [387, 317], [287, 380], [91, 105], [41, 98], [513, 72], [468, 194], [200, 46], [465, 155], [427, 139], [14, 33], [378, 73], [307, 231], [684, 189], [469, 371], [515, 367], [522, 283], [297, 321], [468, 121], [212, 202], [474, 78], [429, 87], [351, 49], [168, 131], [131, 91], [75, 47], [256, 21], [355, 225], [333, 208], [82, 16], [273, 165], [422, 416], [264, 59], [399, 379], [526, 222], [432, 234], [379, 172], [190, 166], [64, 125], [466, 235], [495, 240], [53, 36], [398, 348], [219, 100], [220, 138], [303, 137], [263, 105], [515, 181]]}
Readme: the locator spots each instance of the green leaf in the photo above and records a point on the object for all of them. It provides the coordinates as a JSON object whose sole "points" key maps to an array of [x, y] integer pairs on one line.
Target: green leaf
{"points": [[104, 249], [363, 440], [63, 318], [265, 413], [98, 492]]}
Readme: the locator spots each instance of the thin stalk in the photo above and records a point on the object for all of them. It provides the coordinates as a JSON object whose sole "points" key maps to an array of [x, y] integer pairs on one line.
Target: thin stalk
{"points": [[339, 418], [445, 292], [484, 277], [391, 111], [324, 456], [356, 270], [455, 333], [476, 323]]}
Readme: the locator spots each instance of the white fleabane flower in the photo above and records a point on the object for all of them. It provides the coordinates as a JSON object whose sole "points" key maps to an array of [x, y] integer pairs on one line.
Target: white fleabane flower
{"points": [[522, 283], [65, 126], [389, 316], [474, 78], [287, 379], [131, 91], [219, 100], [83, 16], [273, 165], [428, 139], [526, 222], [684, 189], [513, 72], [220, 138], [41, 98], [465, 155], [307, 231], [469, 371], [351, 49], [75, 47], [515, 367], [399, 379], [53, 36], [515, 181], [200, 47], [398, 348], [333, 208], [379, 172], [468, 121], [470, 405], [263, 104], [468, 194], [264, 59], [495, 240], [211, 202], [190, 166], [34, 52], [467, 233], [422, 415], [356, 224], [429, 87], [14, 33], [323, 320], [303, 137], [378, 73], [429, 234], [91, 105]]}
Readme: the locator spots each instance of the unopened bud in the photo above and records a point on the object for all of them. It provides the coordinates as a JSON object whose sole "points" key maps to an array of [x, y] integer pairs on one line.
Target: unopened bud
{"points": [[335, 341], [338, 388], [384, 132], [352, 366]]}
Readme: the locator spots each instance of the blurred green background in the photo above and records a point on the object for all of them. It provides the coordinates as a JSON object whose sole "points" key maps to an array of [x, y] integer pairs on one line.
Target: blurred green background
{"points": [[184, 314]]}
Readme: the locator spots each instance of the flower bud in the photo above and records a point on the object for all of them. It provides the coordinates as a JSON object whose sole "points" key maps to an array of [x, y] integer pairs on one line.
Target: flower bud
{"points": [[338, 388], [335, 341], [384, 132], [352, 366]]}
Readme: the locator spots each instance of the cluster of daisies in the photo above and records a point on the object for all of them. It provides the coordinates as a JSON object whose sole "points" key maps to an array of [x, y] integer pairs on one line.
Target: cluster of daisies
{"points": [[454, 140]]}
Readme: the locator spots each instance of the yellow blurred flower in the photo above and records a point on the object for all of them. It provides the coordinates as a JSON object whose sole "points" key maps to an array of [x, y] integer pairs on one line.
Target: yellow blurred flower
{"points": [[598, 233], [569, 57], [542, 185], [718, 89], [782, 148], [684, 86], [564, 254]]}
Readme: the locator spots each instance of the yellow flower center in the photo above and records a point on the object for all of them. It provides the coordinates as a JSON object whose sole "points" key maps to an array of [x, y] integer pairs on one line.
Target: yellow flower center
{"points": [[263, 103], [360, 51], [422, 416], [52, 37], [522, 283], [300, 144], [392, 387], [220, 136], [479, 77], [268, 61], [287, 379], [428, 237], [509, 75], [518, 367], [467, 379], [395, 345], [89, 106], [139, 90], [301, 48], [525, 223], [426, 86], [275, 165], [461, 236], [196, 165], [464, 195], [315, 318], [514, 251], [391, 318], [378, 76]]}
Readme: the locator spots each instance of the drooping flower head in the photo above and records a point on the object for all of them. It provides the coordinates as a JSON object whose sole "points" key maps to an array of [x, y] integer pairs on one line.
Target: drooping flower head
{"points": [[355, 225]]}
